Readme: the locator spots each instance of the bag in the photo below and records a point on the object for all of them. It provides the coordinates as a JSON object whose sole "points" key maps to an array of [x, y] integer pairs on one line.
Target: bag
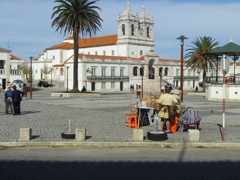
{"points": [[9, 99]]}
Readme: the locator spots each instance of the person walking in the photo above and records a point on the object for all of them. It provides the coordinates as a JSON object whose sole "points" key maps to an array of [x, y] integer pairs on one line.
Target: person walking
{"points": [[8, 99], [166, 113], [16, 98]]}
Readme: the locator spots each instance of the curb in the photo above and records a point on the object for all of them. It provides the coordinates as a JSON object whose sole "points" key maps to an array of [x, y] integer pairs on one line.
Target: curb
{"points": [[60, 144]]}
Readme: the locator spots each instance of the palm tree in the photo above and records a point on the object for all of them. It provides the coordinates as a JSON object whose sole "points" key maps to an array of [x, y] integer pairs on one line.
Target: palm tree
{"points": [[197, 55], [78, 16]]}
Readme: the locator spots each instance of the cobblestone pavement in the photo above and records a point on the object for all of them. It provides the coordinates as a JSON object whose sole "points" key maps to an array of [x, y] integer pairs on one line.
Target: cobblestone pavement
{"points": [[104, 117]]}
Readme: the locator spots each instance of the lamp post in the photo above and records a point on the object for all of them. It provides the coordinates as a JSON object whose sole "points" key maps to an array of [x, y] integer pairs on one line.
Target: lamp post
{"points": [[142, 74], [67, 77], [51, 75], [181, 38], [31, 58], [160, 78]]}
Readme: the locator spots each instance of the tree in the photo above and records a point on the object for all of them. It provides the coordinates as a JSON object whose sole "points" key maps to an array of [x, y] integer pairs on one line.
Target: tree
{"points": [[78, 16], [197, 55], [46, 70], [26, 70]]}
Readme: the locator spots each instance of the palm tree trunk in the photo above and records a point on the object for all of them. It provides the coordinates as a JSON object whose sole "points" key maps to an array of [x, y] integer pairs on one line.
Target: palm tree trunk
{"points": [[204, 80], [75, 61]]}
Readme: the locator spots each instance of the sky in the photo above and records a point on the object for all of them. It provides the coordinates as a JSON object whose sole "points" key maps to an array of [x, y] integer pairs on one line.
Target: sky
{"points": [[25, 26]]}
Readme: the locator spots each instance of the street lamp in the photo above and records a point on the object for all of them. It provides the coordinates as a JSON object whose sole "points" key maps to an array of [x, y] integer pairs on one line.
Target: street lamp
{"points": [[142, 74], [31, 58], [181, 38], [51, 75], [160, 78], [67, 77]]}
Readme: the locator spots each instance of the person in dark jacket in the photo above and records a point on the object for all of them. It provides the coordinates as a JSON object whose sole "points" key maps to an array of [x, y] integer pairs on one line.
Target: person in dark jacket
{"points": [[16, 98]]}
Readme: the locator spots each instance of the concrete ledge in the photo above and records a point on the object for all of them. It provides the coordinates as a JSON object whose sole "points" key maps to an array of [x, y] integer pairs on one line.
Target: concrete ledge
{"points": [[137, 134], [193, 135], [63, 94], [158, 144], [80, 134], [25, 134], [197, 94]]}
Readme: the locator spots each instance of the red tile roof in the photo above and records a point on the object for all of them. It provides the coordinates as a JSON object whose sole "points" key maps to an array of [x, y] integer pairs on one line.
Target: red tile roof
{"points": [[173, 60], [88, 42], [14, 57], [62, 46], [58, 65]]}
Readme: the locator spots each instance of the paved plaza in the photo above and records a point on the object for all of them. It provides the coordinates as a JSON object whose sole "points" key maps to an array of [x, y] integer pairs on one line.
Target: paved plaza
{"points": [[103, 118]]}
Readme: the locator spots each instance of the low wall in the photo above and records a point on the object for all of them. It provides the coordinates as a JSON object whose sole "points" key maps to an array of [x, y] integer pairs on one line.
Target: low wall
{"points": [[64, 94], [215, 93]]}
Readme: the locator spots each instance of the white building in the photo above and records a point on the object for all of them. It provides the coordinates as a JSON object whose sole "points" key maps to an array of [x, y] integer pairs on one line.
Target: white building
{"points": [[10, 68], [113, 62]]}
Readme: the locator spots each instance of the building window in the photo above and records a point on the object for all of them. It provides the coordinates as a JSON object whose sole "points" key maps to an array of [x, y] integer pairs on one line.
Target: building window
{"points": [[123, 29], [189, 72], [166, 72], [36, 71], [160, 71], [53, 57], [148, 32], [95, 52], [121, 72], [112, 52], [141, 53], [61, 71], [177, 72], [88, 53], [112, 85], [132, 29], [135, 69], [103, 71], [103, 85], [104, 53], [112, 72], [93, 71]]}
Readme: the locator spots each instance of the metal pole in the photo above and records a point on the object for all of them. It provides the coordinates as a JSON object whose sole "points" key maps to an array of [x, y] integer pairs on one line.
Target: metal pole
{"points": [[224, 94], [142, 85], [51, 76], [31, 58], [67, 79], [142, 78], [181, 38], [181, 80]]}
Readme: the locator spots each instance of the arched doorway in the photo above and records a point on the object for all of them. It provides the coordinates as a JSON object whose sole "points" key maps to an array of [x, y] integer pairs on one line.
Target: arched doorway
{"points": [[151, 69]]}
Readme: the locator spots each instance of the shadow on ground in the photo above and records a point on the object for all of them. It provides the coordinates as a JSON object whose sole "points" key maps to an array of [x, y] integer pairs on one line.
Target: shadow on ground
{"points": [[118, 170]]}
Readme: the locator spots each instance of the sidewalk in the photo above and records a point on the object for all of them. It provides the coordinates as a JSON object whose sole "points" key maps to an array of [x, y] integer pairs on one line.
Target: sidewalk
{"points": [[103, 119]]}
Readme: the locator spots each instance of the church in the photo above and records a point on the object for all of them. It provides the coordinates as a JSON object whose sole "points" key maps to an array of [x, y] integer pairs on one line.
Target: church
{"points": [[114, 62]]}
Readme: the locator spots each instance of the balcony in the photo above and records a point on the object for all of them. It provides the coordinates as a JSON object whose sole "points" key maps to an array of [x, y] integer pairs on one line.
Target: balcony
{"points": [[108, 78], [186, 78], [219, 80], [12, 72]]}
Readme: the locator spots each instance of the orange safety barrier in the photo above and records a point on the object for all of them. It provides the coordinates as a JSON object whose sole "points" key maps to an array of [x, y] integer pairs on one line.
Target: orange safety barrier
{"points": [[133, 121], [174, 125]]}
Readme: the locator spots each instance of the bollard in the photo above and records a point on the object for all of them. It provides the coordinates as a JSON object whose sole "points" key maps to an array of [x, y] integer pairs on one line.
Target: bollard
{"points": [[137, 134], [25, 134], [194, 135], [80, 134]]}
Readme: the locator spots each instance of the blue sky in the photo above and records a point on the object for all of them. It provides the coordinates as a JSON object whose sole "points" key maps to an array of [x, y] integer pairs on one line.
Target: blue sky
{"points": [[26, 24]]}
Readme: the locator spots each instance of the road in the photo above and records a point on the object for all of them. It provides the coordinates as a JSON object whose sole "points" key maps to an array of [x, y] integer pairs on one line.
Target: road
{"points": [[123, 163]]}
